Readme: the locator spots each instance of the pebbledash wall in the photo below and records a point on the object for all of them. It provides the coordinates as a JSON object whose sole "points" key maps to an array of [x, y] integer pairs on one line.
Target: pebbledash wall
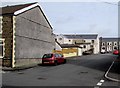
{"points": [[30, 36], [32, 40]]}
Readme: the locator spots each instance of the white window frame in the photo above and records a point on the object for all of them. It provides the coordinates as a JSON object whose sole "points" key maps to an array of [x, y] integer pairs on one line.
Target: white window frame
{"points": [[3, 47]]}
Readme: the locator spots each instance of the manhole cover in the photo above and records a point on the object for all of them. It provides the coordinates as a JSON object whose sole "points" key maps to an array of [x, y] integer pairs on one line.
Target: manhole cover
{"points": [[82, 72]]}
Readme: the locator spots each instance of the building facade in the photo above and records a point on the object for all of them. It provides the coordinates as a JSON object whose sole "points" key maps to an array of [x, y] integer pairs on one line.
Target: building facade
{"points": [[86, 41], [27, 34], [108, 44]]}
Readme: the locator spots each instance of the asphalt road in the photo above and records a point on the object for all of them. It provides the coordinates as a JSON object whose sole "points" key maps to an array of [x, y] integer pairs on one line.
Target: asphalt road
{"points": [[79, 71]]}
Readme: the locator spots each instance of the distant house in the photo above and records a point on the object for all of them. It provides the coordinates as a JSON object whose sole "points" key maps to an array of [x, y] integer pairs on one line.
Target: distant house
{"points": [[108, 44], [86, 41], [27, 34]]}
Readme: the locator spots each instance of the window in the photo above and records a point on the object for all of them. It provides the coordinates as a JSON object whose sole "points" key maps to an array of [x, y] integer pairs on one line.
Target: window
{"points": [[103, 48], [103, 43], [91, 46], [107, 43], [56, 55], [84, 46], [69, 40], [115, 43], [92, 41], [75, 42], [47, 55], [115, 48], [55, 39], [110, 43], [60, 38]]}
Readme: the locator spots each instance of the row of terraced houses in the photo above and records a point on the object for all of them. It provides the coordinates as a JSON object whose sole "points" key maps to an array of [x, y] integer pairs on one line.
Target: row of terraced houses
{"points": [[26, 34]]}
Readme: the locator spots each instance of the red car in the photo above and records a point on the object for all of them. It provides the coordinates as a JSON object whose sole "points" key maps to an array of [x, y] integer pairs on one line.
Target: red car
{"points": [[53, 59], [116, 52]]}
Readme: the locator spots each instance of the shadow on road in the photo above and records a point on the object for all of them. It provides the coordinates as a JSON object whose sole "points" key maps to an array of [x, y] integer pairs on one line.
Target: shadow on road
{"points": [[98, 62]]}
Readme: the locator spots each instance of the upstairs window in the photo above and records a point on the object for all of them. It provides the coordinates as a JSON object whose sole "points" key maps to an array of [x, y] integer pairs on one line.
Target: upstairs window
{"points": [[60, 38], [92, 41]]}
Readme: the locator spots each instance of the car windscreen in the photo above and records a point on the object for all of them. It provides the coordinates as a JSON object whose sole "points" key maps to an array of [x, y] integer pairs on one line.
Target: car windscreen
{"points": [[47, 55]]}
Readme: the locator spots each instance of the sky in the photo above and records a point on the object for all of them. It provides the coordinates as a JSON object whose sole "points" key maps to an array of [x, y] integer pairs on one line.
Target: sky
{"points": [[78, 17]]}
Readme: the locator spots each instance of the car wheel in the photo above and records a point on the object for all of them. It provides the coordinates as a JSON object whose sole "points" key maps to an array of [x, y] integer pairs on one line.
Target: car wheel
{"points": [[55, 63], [42, 63], [64, 61]]}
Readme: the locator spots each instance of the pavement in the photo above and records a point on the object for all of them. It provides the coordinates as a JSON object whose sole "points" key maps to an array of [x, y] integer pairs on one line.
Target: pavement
{"points": [[113, 72], [18, 68], [28, 67]]}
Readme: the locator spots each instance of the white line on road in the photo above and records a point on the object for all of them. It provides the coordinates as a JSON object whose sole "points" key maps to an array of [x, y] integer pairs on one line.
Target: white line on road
{"points": [[99, 84], [102, 81]]}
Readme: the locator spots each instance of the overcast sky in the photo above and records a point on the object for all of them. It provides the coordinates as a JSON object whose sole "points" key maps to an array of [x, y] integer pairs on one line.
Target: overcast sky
{"points": [[80, 17]]}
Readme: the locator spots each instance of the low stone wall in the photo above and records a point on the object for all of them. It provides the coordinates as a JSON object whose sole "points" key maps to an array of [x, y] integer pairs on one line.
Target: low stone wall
{"points": [[27, 62]]}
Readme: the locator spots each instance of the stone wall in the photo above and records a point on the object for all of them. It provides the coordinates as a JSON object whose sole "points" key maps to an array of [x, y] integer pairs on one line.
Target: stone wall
{"points": [[7, 34]]}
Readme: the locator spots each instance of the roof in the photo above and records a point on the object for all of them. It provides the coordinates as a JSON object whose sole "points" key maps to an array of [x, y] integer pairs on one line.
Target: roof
{"points": [[81, 36], [9, 10], [18, 9], [109, 39]]}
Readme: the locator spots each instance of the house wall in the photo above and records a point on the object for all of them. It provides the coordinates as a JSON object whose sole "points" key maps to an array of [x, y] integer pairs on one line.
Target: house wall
{"points": [[110, 47], [68, 41], [33, 37], [96, 46], [60, 39], [57, 47]]}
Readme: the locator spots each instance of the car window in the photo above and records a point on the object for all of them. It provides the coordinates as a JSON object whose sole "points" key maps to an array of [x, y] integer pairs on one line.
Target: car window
{"points": [[47, 55], [56, 55]]}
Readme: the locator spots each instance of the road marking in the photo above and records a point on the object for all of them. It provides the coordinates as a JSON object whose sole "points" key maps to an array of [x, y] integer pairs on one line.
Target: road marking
{"points": [[102, 81], [99, 84]]}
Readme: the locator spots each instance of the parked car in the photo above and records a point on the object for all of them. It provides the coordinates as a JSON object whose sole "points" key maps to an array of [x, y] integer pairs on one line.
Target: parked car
{"points": [[103, 51], [115, 52], [89, 52], [53, 58]]}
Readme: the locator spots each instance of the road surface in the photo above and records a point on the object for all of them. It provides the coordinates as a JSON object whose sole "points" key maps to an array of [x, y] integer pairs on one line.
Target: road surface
{"points": [[86, 70]]}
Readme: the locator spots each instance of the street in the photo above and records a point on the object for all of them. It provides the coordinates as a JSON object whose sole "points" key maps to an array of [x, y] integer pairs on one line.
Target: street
{"points": [[86, 70]]}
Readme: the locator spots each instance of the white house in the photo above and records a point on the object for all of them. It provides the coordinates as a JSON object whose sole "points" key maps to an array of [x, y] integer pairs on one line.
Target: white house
{"points": [[86, 41]]}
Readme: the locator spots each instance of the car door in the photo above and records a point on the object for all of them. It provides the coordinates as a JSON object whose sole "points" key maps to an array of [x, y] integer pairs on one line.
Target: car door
{"points": [[57, 58], [61, 58]]}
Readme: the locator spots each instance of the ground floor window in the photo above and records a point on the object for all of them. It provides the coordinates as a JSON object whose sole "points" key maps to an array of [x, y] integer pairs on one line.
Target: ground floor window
{"points": [[1, 48]]}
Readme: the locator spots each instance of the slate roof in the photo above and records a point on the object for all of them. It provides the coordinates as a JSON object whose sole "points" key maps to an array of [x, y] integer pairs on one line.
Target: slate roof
{"points": [[81, 36], [9, 10], [109, 39]]}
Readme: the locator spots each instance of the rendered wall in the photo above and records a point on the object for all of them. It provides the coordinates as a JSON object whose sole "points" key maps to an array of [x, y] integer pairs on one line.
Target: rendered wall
{"points": [[33, 37]]}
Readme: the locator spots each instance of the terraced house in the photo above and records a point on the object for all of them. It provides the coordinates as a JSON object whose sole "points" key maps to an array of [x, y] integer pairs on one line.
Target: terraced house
{"points": [[84, 41], [108, 44], [27, 34]]}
